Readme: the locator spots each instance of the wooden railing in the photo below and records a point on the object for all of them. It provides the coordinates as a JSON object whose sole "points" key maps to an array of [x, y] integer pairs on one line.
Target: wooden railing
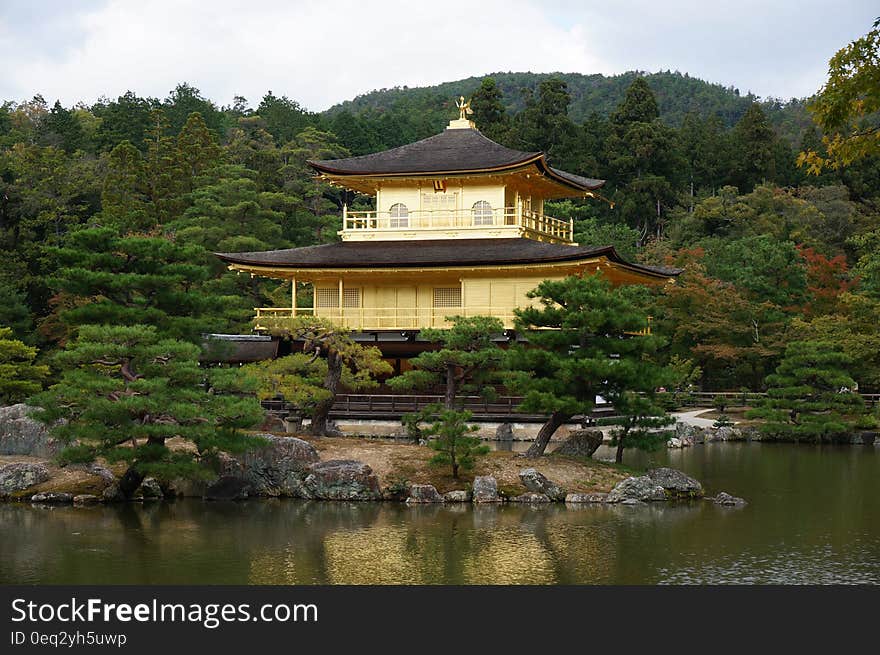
{"points": [[459, 219], [394, 318]]}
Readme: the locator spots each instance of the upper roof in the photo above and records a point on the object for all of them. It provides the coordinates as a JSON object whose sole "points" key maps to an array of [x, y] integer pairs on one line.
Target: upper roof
{"points": [[429, 253], [454, 151]]}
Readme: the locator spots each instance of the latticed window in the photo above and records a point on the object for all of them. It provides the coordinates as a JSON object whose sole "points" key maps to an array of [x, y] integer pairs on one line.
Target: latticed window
{"points": [[351, 297], [447, 297], [327, 297], [483, 214], [399, 215]]}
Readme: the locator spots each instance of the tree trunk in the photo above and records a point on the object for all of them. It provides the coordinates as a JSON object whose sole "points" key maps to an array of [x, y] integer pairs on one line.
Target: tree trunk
{"points": [[547, 430], [619, 456], [449, 401], [331, 384]]}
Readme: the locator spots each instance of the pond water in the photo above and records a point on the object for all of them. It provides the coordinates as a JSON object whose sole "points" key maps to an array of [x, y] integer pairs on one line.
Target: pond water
{"points": [[813, 517]]}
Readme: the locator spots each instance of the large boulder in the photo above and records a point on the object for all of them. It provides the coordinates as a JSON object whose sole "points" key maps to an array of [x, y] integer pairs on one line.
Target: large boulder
{"points": [[341, 479], [676, 483], [20, 476], [423, 493], [485, 490], [536, 482], [277, 468], [580, 443], [22, 435], [641, 488]]}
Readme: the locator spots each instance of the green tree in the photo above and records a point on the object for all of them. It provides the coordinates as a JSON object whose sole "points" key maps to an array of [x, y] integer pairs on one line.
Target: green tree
{"points": [[301, 380], [580, 346], [19, 376], [467, 360], [126, 391], [810, 397], [451, 436], [197, 152], [641, 416], [490, 115], [136, 280], [344, 360], [846, 107], [753, 149], [124, 194], [228, 213]]}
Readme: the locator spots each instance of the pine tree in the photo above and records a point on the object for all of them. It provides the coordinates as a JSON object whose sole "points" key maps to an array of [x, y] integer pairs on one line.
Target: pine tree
{"points": [[490, 115], [126, 391], [451, 436], [137, 280], [124, 193], [811, 396], [581, 345], [197, 152], [345, 360], [466, 362], [19, 376], [753, 149]]}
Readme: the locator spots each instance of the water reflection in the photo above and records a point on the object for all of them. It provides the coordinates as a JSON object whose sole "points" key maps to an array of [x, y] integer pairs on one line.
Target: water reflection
{"points": [[814, 516]]}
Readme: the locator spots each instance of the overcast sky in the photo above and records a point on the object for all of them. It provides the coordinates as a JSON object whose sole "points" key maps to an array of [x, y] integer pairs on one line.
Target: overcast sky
{"points": [[320, 52]]}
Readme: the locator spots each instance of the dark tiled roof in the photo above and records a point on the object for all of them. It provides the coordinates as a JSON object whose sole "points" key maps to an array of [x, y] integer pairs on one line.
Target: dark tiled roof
{"points": [[427, 253], [452, 151]]}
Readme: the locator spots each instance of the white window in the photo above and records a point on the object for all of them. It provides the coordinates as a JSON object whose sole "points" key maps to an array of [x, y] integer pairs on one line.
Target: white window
{"points": [[448, 297], [483, 214], [399, 215]]}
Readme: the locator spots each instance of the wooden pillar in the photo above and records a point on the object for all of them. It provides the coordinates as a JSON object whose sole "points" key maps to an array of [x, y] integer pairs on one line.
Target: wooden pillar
{"points": [[341, 295], [293, 296]]}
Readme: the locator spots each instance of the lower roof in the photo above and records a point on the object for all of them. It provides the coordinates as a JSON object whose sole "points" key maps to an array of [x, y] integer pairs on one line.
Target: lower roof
{"points": [[429, 253]]}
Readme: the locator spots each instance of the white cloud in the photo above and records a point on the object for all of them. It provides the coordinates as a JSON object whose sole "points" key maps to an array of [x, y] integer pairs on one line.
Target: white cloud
{"points": [[316, 52], [320, 52]]}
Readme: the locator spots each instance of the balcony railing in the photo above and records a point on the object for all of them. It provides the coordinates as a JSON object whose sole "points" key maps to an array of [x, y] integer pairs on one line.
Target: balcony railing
{"points": [[505, 218], [394, 318]]}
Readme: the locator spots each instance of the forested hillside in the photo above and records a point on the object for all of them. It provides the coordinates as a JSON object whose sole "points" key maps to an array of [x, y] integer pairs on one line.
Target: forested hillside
{"points": [[677, 95], [112, 210]]}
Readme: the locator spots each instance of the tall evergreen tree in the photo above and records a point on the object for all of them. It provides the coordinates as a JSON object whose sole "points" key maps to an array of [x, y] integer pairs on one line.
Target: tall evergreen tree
{"points": [[490, 114], [753, 142]]}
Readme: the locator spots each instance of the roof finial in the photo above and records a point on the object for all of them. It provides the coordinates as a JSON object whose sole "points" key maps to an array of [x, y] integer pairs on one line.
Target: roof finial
{"points": [[464, 110]]}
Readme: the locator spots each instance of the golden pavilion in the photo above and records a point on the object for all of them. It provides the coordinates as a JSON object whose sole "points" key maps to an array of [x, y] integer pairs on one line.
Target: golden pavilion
{"points": [[458, 229]]}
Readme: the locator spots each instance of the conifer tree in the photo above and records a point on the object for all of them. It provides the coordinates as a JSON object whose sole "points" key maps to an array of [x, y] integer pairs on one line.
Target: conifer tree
{"points": [[344, 360], [126, 391], [490, 115], [581, 344], [137, 280], [811, 395], [467, 361]]}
